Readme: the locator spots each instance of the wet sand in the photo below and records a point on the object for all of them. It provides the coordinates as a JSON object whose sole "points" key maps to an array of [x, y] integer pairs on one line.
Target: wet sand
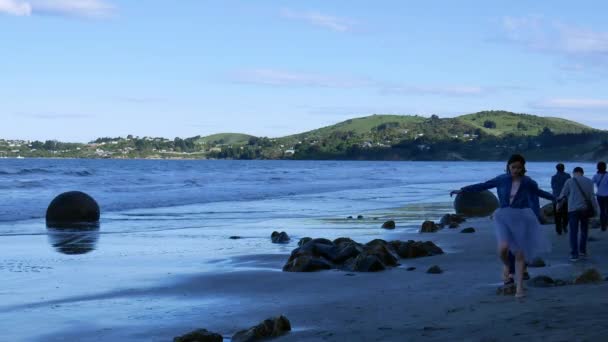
{"points": [[393, 305]]}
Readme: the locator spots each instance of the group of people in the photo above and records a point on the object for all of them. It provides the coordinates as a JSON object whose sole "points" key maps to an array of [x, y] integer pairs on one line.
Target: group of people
{"points": [[518, 232]]}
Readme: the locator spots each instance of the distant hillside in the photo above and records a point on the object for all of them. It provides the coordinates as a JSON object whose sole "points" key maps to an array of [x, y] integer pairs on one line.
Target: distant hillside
{"points": [[488, 135], [224, 139], [520, 124], [364, 124]]}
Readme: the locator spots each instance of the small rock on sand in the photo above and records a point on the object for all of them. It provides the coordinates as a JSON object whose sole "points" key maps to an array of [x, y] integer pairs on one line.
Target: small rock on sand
{"points": [[271, 327], [434, 270], [200, 335], [468, 230]]}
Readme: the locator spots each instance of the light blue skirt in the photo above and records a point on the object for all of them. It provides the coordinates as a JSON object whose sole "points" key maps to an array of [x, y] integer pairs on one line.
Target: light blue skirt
{"points": [[521, 231]]}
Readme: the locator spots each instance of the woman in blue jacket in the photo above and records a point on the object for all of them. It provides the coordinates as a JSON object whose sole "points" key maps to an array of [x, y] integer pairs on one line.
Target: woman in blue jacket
{"points": [[517, 225]]}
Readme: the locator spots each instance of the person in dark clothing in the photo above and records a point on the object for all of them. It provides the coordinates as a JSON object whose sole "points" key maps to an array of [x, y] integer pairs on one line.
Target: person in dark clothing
{"points": [[557, 184], [601, 183]]}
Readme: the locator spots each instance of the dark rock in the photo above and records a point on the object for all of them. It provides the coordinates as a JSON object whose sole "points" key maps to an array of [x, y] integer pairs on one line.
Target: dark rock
{"points": [[323, 241], [537, 262], [410, 268], [475, 204], [468, 230], [347, 251], [389, 224], [541, 281], [416, 249], [434, 270], [349, 218], [384, 254], [506, 290], [304, 240], [451, 220], [366, 262], [200, 335], [235, 237], [72, 209], [589, 276], [377, 242], [360, 217], [429, 227], [272, 327], [547, 214], [592, 239], [342, 240], [306, 263], [281, 237]]}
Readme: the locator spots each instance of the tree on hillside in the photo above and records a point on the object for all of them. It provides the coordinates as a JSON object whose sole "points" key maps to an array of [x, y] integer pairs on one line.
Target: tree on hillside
{"points": [[489, 124]]}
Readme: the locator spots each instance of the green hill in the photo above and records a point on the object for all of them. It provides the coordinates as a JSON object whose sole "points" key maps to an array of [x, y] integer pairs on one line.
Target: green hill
{"points": [[521, 124], [225, 139]]}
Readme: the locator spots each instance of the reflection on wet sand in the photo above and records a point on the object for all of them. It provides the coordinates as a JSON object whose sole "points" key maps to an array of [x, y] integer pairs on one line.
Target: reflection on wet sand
{"points": [[73, 240]]}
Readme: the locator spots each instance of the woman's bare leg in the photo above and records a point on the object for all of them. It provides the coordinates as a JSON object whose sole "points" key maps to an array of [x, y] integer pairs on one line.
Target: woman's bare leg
{"points": [[503, 255], [519, 274]]}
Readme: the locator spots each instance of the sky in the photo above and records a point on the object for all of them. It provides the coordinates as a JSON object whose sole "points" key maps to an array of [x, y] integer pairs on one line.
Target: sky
{"points": [[75, 70]]}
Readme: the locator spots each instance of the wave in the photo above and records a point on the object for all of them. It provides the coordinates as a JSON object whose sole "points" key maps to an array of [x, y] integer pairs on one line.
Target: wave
{"points": [[82, 173], [25, 171]]}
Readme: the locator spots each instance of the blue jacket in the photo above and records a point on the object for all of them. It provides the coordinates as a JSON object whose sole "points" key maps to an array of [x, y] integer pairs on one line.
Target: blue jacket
{"points": [[557, 182], [526, 197]]}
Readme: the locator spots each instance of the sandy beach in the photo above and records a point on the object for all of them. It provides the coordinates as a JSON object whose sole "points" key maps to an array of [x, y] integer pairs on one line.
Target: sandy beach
{"points": [[392, 305]]}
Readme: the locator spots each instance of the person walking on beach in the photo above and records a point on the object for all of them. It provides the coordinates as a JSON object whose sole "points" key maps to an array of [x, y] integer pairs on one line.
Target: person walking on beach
{"points": [[578, 191], [601, 182], [557, 184], [517, 226]]}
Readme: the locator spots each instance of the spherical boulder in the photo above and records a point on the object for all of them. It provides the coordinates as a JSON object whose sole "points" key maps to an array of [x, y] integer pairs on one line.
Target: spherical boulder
{"points": [[72, 209], [476, 204]]}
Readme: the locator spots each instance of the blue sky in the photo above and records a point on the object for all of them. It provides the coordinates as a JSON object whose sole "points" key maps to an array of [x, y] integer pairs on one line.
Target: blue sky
{"points": [[75, 70]]}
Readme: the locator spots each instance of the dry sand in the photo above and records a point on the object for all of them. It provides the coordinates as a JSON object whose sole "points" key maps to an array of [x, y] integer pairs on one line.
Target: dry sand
{"points": [[394, 305]]}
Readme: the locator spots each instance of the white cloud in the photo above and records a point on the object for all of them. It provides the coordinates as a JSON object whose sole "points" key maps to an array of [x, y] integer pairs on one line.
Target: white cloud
{"points": [[572, 103], [435, 90], [275, 77], [321, 20], [536, 33], [15, 7], [73, 8]]}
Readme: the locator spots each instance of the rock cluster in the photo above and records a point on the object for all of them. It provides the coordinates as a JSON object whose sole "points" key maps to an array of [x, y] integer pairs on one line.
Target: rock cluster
{"points": [[346, 254], [281, 237]]}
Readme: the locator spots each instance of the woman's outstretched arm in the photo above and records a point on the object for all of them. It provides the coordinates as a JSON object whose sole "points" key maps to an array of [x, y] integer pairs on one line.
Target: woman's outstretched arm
{"points": [[492, 183]]}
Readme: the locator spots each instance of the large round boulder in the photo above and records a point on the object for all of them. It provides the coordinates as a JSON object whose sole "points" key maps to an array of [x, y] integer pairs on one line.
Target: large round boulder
{"points": [[72, 209], [476, 204]]}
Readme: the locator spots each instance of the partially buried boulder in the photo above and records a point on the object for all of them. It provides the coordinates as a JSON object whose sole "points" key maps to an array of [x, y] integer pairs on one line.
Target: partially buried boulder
{"points": [[589, 276], [451, 220], [200, 335], [71, 210], [429, 227], [468, 230], [281, 237], [537, 262], [542, 281], [415, 249], [390, 224], [271, 327], [434, 270], [304, 240], [475, 204]]}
